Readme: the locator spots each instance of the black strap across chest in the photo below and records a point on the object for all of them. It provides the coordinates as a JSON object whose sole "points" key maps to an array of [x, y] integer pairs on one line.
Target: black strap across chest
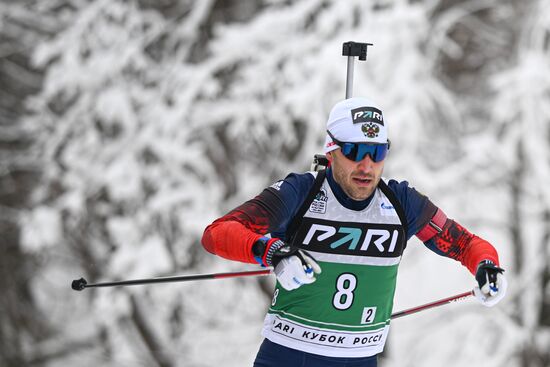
{"points": [[297, 220]]}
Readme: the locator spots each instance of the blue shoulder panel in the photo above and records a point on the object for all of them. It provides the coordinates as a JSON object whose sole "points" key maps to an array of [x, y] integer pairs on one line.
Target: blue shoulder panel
{"points": [[292, 191], [418, 208]]}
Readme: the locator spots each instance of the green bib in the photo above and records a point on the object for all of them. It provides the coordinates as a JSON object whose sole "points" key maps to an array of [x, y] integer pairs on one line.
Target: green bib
{"points": [[346, 311]]}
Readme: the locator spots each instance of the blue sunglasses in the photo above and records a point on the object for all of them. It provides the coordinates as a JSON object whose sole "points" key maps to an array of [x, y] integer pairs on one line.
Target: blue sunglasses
{"points": [[358, 151]]}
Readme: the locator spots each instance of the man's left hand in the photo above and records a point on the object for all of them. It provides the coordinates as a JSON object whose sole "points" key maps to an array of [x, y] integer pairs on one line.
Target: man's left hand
{"points": [[492, 284]]}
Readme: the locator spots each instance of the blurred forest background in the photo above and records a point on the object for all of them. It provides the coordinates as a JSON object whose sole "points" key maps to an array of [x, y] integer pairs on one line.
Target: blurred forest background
{"points": [[126, 126]]}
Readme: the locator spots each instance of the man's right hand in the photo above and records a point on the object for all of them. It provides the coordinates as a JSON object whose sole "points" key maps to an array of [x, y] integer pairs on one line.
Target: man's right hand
{"points": [[293, 267]]}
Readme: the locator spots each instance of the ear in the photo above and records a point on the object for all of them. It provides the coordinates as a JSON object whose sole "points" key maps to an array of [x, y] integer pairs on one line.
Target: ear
{"points": [[329, 156]]}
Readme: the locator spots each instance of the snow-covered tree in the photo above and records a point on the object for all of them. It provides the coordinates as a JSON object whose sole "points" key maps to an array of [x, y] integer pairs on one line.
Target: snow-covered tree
{"points": [[157, 117], [21, 319], [521, 116], [504, 162]]}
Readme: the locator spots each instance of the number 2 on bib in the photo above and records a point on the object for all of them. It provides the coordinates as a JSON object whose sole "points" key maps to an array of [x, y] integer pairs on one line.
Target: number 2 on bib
{"points": [[345, 285]]}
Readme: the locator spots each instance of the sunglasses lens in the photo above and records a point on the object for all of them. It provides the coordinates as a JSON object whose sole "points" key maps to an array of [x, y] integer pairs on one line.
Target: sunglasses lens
{"points": [[349, 150], [357, 152]]}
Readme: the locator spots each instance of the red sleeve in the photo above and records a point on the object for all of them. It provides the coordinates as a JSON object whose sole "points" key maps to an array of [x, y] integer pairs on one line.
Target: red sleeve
{"points": [[233, 235], [456, 242], [231, 240], [478, 251]]}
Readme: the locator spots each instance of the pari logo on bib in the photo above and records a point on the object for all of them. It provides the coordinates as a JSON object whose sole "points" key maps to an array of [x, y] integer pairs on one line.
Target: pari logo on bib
{"points": [[356, 120]]}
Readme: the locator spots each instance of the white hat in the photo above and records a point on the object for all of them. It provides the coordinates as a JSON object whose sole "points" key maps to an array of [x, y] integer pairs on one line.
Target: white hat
{"points": [[356, 120]]}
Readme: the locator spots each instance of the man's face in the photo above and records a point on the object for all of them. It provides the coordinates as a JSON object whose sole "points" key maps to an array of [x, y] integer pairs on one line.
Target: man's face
{"points": [[357, 179]]}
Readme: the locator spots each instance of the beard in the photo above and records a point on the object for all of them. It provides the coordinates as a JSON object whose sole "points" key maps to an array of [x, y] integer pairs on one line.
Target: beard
{"points": [[357, 184]]}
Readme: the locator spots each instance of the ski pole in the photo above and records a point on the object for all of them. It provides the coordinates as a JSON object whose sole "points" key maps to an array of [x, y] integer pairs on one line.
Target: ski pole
{"points": [[80, 284], [351, 50], [441, 302]]}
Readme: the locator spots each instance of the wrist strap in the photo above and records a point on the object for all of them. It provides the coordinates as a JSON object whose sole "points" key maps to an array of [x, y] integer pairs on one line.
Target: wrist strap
{"points": [[258, 250]]}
